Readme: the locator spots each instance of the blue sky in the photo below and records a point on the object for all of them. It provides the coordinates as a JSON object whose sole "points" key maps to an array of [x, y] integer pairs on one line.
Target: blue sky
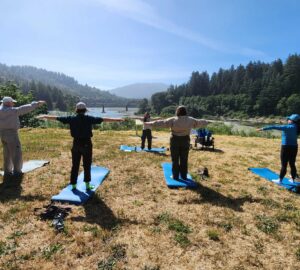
{"points": [[112, 43]]}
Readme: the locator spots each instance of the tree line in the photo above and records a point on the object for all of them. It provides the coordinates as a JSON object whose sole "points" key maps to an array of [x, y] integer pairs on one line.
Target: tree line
{"points": [[54, 97], [257, 89]]}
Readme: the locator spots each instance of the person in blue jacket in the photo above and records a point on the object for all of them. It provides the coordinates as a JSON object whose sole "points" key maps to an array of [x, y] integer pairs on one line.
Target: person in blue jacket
{"points": [[289, 145]]}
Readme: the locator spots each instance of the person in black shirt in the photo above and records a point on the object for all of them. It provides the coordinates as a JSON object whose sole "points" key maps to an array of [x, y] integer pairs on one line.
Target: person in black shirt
{"points": [[81, 130]]}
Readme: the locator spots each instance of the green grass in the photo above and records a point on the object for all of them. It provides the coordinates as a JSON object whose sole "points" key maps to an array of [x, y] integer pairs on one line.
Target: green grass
{"points": [[213, 235], [268, 225], [298, 254], [118, 253], [49, 251]]}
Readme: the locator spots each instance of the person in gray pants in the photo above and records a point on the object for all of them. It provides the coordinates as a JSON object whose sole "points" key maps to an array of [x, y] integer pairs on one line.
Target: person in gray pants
{"points": [[9, 125]]}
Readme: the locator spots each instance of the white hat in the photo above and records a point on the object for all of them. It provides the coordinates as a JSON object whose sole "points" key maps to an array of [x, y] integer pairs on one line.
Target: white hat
{"points": [[7, 99], [80, 106]]}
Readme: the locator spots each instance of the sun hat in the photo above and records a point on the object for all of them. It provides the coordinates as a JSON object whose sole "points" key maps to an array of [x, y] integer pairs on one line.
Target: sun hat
{"points": [[294, 117], [7, 99]]}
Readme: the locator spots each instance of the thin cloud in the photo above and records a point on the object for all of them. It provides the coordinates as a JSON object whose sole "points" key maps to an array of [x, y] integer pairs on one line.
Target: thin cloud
{"points": [[144, 13]]}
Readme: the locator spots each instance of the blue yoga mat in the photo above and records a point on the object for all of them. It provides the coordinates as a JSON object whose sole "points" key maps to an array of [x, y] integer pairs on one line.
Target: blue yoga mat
{"points": [[167, 168], [80, 195], [270, 175], [127, 148]]}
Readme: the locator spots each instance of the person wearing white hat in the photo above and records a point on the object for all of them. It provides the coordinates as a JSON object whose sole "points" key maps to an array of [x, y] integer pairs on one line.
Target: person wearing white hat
{"points": [[9, 125], [81, 130]]}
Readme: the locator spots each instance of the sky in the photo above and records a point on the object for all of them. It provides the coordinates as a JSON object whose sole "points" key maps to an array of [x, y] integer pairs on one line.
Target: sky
{"points": [[112, 43]]}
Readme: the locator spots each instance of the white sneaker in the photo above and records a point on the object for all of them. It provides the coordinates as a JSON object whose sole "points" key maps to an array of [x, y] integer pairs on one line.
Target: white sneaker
{"points": [[291, 180], [276, 181]]}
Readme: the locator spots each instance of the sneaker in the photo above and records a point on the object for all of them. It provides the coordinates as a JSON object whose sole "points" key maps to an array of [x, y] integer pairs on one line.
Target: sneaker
{"points": [[277, 181], [8, 174], [18, 174], [89, 186], [291, 180]]}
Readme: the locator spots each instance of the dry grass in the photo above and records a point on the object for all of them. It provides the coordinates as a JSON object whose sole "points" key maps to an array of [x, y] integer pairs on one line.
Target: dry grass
{"points": [[234, 220]]}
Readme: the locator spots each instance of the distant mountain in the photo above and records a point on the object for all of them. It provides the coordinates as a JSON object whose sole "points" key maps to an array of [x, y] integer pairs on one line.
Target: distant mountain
{"points": [[91, 95], [139, 90]]}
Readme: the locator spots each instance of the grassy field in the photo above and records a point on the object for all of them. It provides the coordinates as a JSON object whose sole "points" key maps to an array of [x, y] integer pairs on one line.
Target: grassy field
{"points": [[234, 220]]}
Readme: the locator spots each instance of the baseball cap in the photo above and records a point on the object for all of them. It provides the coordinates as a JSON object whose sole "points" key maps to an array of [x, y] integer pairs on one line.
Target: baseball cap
{"points": [[294, 117], [7, 99], [80, 106]]}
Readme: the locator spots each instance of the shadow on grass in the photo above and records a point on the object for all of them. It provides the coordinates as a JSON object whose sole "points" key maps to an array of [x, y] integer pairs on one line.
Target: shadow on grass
{"points": [[219, 151], [11, 189], [97, 212], [213, 197]]}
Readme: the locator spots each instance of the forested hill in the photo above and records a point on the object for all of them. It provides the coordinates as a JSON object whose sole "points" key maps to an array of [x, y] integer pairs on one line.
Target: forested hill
{"points": [[257, 89], [41, 80]]}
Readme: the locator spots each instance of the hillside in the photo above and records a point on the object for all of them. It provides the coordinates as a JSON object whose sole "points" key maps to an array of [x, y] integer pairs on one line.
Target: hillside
{"points": [[234, 220], [91, 95], [139, 90]]}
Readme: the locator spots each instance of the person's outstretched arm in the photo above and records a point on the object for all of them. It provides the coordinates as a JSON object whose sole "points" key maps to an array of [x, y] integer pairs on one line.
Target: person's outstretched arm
{"points": [[29, 107], [113, 120], [277, 127], [198, 123], [46, 117], [167, 123], [137, 118]]}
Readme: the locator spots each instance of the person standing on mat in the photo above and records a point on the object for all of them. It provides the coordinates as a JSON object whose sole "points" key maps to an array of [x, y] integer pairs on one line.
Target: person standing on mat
{"points": [[81, 131], [147, 132], [180, 126], [289, 145], [9, 125]]}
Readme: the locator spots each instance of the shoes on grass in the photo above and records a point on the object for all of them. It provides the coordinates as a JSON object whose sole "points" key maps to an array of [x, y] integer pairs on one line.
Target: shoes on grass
{"points": [[277, 181], [89, 186]]}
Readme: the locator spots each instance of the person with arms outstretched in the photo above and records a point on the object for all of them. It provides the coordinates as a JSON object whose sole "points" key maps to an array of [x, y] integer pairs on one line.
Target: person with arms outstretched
{"points": [[289, 145], [9, 126], [147, 132], [180, 126], [81, 131]]}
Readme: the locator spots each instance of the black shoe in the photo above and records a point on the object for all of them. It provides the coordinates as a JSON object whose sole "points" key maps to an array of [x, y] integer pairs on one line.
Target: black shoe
{"points": [[18, 174], [8, 175]]}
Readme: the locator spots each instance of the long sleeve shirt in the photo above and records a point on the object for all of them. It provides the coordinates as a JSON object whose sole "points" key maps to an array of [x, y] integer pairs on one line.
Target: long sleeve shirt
{"points": [[180, 125], [289, 133], [80, 125], [9, 116]]}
